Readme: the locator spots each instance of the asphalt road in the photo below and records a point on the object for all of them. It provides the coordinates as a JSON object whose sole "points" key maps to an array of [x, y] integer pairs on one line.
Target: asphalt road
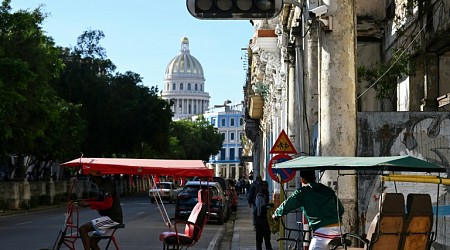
{"points": [[143, 224]]}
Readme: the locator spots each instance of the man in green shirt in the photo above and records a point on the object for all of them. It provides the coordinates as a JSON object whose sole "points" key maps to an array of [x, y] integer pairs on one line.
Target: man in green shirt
{"points": [[320, 207]]}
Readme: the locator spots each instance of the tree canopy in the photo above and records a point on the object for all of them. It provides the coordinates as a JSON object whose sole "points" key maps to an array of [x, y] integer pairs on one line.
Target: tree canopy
{"points": [[56, 103], [195, 139], [31, 114]]}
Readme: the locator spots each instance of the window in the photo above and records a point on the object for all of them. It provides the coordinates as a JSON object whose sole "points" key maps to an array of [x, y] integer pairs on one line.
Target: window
{"points": [[231, 122], [222, 122], [224, 137], [241, 121], [174, 86], [222, 154], [189, 86], [232, 157], [213, 121], [196, 87], [232, 136], [181, 86], [168, 87]]}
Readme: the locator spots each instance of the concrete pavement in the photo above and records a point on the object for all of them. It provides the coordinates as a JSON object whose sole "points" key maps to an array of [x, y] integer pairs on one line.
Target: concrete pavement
{"points": [[244, 236]]}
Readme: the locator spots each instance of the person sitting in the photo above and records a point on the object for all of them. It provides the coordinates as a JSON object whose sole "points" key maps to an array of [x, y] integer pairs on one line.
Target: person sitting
{"points": [[107, 203]]}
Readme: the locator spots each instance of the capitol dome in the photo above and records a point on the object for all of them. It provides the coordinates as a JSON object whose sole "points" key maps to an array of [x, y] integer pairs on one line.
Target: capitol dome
{"points": [[184, 85], [184, 65]]}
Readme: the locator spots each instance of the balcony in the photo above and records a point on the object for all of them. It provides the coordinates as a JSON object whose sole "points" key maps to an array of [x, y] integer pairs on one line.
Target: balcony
{"points": [[256, 107]]}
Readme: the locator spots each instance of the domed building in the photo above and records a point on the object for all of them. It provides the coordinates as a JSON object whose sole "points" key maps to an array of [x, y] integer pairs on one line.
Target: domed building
{"points": [[184, 84]]}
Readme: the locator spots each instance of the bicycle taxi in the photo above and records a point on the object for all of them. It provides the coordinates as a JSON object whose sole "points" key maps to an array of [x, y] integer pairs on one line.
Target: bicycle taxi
{"points": [[397, 224], [152, 168]]}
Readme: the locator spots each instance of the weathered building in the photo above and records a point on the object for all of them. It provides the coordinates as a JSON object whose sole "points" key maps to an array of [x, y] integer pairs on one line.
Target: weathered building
{"points": [[365, 78]]}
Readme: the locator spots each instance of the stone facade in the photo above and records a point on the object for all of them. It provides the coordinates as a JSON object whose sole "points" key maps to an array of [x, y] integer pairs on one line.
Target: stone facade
{"points": [[310, 67]]}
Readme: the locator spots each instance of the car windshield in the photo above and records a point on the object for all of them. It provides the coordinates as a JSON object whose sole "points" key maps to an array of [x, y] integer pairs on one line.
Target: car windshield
{"points": [[193, 190], [163, 185]]}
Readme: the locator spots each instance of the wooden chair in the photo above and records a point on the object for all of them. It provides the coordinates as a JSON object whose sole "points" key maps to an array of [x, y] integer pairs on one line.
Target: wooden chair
{"points": [[417, 231], [385, 231], [193, 226]]}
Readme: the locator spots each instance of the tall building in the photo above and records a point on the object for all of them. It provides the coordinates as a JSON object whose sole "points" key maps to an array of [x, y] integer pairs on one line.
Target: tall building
{"points": [[184, 84], [229, 120]]}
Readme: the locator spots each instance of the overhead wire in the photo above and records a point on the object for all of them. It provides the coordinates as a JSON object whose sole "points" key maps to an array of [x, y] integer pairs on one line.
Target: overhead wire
{"points": [[395, 62]]}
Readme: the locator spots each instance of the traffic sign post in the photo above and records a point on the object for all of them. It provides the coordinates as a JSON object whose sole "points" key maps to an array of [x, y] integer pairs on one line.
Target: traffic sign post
{"points": [[285, 174]]}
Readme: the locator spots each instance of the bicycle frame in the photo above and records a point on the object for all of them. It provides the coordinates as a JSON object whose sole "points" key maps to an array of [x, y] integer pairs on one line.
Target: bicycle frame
{"points": [[69, 231]]}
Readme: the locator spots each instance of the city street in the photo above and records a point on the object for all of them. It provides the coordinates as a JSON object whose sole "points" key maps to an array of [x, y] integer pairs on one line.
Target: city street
{"points": [[143, 224]]}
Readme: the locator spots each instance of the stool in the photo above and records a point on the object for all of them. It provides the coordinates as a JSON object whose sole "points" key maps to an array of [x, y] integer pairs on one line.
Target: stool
{"points": [[110, 237]]}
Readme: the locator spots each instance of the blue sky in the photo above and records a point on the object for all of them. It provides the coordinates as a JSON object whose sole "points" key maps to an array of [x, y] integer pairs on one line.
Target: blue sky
{"points": [[142, 36]]}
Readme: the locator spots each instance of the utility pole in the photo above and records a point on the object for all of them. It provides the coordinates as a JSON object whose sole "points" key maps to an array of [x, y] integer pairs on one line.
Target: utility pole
{"points": [[337, 99]]}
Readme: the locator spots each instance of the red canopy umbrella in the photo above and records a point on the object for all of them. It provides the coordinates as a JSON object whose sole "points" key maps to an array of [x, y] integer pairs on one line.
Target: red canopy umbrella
{"points": [[142, 166]]}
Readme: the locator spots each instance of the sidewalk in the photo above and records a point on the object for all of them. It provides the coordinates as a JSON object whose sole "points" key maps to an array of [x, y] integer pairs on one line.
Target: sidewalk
{"points": [[244, 236]]}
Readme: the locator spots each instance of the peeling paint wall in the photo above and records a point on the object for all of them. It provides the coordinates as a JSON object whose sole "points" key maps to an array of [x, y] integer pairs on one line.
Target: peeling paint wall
{"points": [[425, 135]]}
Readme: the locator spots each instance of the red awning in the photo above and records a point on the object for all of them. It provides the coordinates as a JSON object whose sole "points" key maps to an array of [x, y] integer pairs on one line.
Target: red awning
{"points": [[142, 166]]}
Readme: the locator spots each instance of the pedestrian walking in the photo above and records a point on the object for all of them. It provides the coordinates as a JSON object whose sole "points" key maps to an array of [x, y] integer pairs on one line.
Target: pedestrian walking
{"points": [[260, 214], [254, 188]]}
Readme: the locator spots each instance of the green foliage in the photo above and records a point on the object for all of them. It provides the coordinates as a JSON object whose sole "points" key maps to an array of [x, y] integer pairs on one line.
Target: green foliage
{"points": [[386, 75], [31, 114], [123, 118], [194, 139], [58, 102]]}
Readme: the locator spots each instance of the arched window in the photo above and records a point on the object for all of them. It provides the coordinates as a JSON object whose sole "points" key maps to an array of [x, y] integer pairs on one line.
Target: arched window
{"points": [[174, 86], [196, 87], [181, 86], [189, 86], [168, 87]]}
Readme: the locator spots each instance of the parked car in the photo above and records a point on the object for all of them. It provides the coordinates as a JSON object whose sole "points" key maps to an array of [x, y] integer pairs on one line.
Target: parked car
{"points": [[234, 195], [187, 198], [167, 191], [227, 193]]}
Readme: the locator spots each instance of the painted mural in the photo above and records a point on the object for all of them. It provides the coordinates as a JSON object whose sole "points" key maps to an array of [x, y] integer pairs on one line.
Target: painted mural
{"points": [[425, 135]]}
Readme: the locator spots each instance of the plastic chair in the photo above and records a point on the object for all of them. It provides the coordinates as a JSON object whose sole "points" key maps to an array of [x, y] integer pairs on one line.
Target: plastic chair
{"points": [[386, 228], [193, 229], [417, 232]]}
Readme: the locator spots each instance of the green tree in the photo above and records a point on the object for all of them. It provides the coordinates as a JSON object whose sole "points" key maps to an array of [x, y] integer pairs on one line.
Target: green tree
{"points": [[124, 118], [139, 117], [194, 139], [31, 114]]}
